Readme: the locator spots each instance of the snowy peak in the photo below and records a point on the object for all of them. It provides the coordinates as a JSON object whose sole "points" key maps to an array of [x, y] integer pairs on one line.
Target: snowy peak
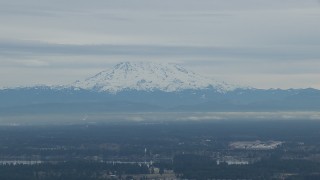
{"points": [[146, 76]]}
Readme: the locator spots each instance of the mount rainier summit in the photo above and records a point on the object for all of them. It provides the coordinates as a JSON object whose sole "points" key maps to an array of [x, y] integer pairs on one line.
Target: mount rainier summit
{"points": [[145, 86], [143, 76]]}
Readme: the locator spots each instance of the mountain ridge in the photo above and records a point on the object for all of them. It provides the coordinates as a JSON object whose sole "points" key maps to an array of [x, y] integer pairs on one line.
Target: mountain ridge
{"points": [[146, 76], [205, 82], [116, 89]]}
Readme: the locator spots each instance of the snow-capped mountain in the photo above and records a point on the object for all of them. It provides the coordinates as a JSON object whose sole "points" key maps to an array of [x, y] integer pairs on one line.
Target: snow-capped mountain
{"points": [[146, 76], [151, 87]]}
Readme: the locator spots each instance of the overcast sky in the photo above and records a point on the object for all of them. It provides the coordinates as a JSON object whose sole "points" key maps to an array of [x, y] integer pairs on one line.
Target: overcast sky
{"points": [[259, 43]]}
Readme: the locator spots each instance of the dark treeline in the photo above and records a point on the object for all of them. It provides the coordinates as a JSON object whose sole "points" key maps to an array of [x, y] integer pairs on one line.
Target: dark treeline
{"points": [[188, 149], [69, 170]]}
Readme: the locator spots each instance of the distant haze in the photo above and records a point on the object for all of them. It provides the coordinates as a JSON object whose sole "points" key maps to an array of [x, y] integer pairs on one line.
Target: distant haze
{"points": [[258, 43]]}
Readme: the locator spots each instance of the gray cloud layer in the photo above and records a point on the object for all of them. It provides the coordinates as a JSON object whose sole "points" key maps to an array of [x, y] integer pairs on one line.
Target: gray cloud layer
{"points": [[253, 42], [270, 53]]}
